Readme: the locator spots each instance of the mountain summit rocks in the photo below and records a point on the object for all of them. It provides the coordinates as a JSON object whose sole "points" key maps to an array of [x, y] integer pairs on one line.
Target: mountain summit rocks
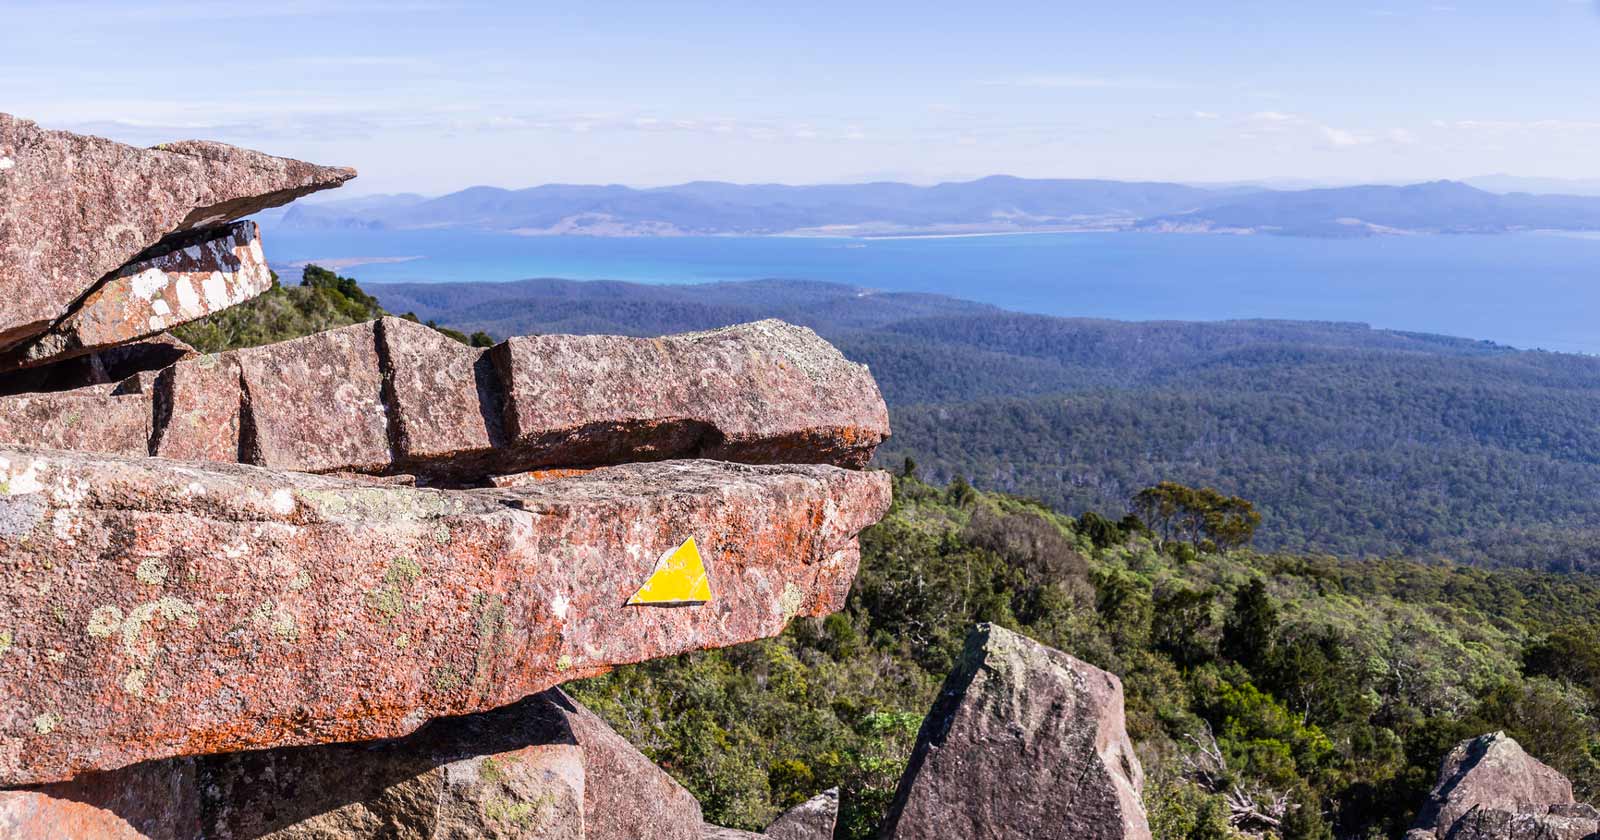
{"points": [[74, 209], [326, 587]]}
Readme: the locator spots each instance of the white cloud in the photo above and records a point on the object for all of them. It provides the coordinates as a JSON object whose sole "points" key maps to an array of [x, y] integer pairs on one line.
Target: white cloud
{"points": [[1342, 137]]}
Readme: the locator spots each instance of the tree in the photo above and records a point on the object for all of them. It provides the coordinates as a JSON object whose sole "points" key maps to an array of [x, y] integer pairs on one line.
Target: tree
{"points": [[1197, 516], [1251, 625]]}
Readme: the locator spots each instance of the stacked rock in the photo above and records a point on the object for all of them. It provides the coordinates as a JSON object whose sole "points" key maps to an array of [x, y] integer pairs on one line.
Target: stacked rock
{"points": [[328, 587]]}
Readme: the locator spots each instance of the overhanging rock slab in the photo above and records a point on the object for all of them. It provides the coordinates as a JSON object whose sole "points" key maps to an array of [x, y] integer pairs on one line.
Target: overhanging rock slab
{"points": [[183, 280], [75, 208], [156, 608]]}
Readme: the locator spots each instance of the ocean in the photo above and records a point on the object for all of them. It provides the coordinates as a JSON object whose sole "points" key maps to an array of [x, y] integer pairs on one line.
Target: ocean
{"points": [[1525, 290]]}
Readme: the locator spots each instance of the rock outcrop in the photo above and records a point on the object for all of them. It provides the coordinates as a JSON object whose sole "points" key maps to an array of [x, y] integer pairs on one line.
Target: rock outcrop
{"points": [[179, 281], [74, 209], [326, 587], [542, 767], [396, 397], [155, 609], [1024, 741], [1490, 788], [813, 819]]}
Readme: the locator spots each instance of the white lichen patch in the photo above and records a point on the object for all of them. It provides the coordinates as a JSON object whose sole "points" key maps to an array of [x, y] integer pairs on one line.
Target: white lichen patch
{"points": [[300, 581], [134, 682], [7, 163], [188, 299], [215, 288], [559, 605], [46, 723], [19, 482], [152, 572], [104, 621], [148, 284], [282, 502]]}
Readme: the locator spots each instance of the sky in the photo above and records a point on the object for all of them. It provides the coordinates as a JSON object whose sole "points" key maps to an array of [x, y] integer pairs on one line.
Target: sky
{"points": [[435, 96]]}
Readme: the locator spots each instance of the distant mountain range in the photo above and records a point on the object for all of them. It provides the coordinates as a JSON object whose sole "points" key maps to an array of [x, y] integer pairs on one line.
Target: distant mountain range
{"points": [[1350, 439], [998, 204]]}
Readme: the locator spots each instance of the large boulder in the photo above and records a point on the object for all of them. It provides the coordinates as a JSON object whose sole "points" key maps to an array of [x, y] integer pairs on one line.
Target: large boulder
{"points": [[543, 767], [1024, 741], [1482, 823], [101, 418], [74, 209], [1491, 773], [155, 608]]}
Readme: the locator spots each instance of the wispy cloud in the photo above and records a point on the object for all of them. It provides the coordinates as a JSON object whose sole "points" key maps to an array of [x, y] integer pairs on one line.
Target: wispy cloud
{"points": [[1084, 82]]}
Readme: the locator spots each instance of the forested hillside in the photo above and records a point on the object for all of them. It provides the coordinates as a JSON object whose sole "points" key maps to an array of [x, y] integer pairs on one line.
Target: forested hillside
{"points": [[1351, 440], [1334, 684]]}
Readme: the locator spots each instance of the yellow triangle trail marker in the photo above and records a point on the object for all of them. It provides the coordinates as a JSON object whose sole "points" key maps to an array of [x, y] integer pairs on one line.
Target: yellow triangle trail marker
{"points": [[679, 578]]}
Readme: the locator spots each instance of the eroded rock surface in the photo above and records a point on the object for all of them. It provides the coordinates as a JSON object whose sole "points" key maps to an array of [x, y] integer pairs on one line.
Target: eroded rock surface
{"points": [[1492, 773], [766, 392], [1024, 741], [182, 280], [396, 397], [111, 365], [75, 208], [813, 819], [103, 418], [155, 608], [543, 767]]}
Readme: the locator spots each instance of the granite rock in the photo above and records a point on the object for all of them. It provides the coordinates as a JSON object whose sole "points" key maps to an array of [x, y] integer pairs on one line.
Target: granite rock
{"points": [[1494, 773], [182, 280], [75, 208], [1024, 741], [542, 767], [157, 608]]}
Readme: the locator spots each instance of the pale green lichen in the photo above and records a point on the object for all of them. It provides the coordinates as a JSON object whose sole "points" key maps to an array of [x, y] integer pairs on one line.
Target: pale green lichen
{"points": [[445, 678], [379, 504], [104, 621], [402, 641], [564, 663], [46, 723], [300, 581], [134, 682], [390, 596], [152, 572], [5, 641], [441, 534], [792, 599]]}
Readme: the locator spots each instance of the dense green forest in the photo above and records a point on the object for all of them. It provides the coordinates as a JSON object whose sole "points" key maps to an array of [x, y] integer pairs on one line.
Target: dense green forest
{"points": [[1351, 440], [1255, 681]]}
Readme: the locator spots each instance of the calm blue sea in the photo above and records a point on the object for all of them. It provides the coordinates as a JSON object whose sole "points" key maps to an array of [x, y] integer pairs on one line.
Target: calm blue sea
{"points": [[1527, 290]]}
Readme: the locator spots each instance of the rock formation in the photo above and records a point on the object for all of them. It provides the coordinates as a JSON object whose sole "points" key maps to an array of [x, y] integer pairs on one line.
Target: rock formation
{"points": [[75, 209], [542, 767], [325, 588], [1024, 741], [1489, 789], [394, 396], [813, 819]]}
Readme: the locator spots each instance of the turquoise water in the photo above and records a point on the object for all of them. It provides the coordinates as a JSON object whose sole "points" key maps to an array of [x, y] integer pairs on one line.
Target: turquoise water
{"points": [[1527, 290]]}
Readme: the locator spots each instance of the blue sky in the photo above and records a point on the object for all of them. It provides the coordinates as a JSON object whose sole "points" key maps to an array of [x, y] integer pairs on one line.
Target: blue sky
{"points": [[434, 96]]}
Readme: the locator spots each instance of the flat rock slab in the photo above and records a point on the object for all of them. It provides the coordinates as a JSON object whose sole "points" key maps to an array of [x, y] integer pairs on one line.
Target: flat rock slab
{"points": [[102, 418], [1024, 741], [75, 208], [156, 608], [1491, 772], [182, 280], [765, 392], [543, 767]]}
